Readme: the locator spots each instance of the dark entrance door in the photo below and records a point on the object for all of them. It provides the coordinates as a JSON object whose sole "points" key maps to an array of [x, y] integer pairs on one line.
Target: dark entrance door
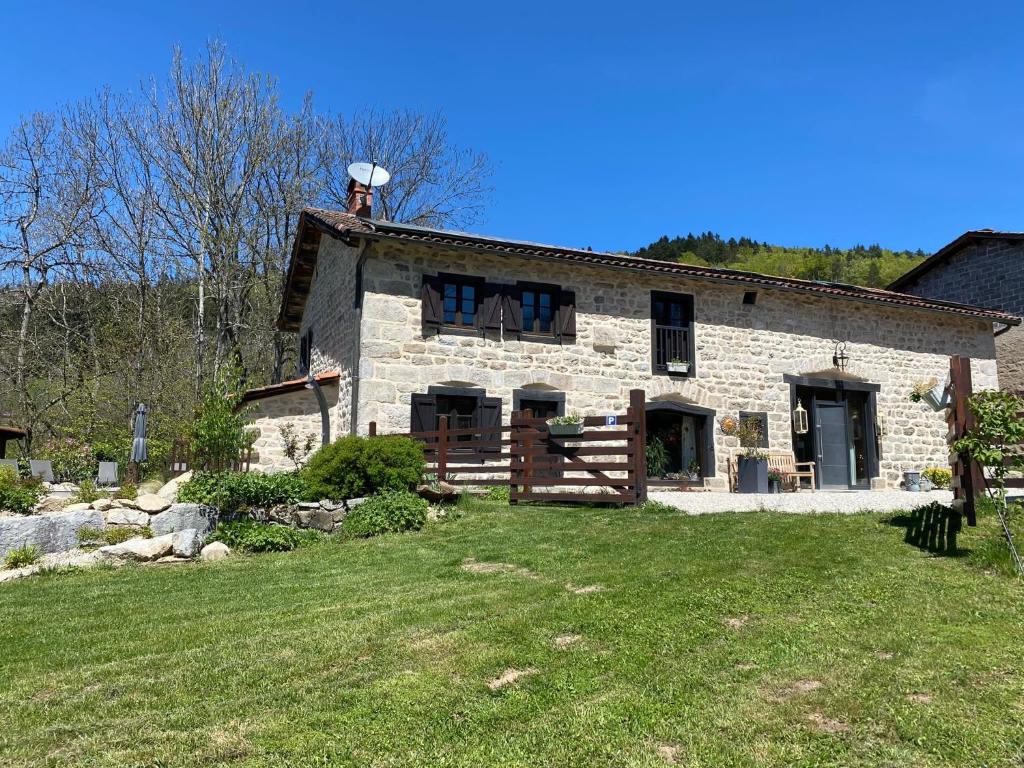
{"points": [[833, 444]]}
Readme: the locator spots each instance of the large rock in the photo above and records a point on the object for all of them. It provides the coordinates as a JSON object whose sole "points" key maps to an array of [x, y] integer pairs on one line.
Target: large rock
{"points": [[51, 504], [181, 517], [121, 516], [187, 543], [151, 503], [317, 519], [140, 549], [80, 506], [103, 504], [169, 490], [54, 532], [215, 551]]}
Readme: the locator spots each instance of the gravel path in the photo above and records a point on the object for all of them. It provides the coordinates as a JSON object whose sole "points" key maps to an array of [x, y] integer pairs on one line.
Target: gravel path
{"points": [[803, 502]]}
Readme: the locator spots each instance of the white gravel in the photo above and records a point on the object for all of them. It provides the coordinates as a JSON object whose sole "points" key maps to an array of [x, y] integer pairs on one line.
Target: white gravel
{"points": [[802, 502]]}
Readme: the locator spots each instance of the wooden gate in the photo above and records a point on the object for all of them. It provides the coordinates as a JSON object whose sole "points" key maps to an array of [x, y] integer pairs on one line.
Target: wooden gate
{"points": [[605, 463]]}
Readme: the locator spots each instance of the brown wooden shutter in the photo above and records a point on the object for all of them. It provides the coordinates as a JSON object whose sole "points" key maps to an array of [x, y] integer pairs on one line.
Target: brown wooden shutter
{"points": [[512, 312], [489, 415], [567, 317], [423, 416], [430, 298], [489, 317]]}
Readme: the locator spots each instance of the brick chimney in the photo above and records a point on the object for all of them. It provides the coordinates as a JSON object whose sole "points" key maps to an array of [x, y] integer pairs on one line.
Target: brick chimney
{"points": [[360, 199]]}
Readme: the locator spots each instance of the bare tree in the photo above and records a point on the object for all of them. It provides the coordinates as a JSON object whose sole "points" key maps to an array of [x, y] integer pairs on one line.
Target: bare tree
{"points": [[433, 183]]}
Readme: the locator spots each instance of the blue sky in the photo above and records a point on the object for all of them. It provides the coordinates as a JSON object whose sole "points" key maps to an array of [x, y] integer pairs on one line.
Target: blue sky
{"points": [[799, 123]]}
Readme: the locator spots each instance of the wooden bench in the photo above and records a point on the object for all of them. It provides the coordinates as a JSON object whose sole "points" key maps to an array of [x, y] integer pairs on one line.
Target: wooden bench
{"points": [[783, 462]]}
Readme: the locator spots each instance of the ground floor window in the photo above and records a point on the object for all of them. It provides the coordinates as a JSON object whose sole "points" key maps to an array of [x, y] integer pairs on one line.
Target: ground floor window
{"points": [[680, 442], [465, 407], [544, 403]]}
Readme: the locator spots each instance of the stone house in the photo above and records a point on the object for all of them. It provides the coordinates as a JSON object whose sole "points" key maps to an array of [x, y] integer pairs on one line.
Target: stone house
{"points": [[409, 324], [984, 268]]}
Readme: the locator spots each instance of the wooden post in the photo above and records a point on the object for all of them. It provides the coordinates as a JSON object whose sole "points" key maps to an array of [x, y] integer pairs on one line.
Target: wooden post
{"points": [[442, 448], [638, 405], [373, 429], [971, 480], [528, 443], [515, 459]]}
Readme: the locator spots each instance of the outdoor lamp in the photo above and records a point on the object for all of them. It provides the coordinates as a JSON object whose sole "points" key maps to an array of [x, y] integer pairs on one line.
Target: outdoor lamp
{"points": [[839, 356], [799, 419]]}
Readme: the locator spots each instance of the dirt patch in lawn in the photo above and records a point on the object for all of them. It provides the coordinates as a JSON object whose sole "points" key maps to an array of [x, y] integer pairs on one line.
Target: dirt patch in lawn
{"points": [[670, 753], [510, 676], [797, 688], [587, 590], [472, 566], [564, 641], [736, 622], [883, 655], [920, 698], [827, 724]]}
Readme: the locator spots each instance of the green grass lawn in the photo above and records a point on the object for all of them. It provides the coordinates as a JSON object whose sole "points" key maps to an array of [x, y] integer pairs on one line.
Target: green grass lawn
{"points": [[746, 639]]}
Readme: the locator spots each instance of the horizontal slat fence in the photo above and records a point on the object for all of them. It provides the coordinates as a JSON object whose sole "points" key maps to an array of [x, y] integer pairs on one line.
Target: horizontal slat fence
{"points": [[603, 464]]}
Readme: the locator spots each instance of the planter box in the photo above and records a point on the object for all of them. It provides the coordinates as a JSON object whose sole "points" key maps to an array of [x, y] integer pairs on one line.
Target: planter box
{"points": [[678, 367], [937, 397], [564, 430], [752, 475]]}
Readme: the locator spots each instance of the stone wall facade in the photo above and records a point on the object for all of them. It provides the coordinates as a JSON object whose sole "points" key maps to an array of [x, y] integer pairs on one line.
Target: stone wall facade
{"points": [[985, 273], [742, 351], [299, 409]]}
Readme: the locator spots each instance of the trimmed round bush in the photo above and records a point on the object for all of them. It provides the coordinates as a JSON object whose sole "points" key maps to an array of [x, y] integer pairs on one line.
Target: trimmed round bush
{"points": [[386, 512], [359, 466]]}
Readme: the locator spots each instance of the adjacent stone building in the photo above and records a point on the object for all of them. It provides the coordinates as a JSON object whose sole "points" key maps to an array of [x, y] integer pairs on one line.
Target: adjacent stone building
{"points": [[984, 268], [414, 323]]}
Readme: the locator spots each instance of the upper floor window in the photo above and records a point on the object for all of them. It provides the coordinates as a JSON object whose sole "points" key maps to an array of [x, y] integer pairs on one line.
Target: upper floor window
{"points": [[672, 343], [538, 307], [461, 299]]}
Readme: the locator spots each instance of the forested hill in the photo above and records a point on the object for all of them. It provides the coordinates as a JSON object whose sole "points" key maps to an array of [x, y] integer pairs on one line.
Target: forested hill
{"points": [[871, 265]]}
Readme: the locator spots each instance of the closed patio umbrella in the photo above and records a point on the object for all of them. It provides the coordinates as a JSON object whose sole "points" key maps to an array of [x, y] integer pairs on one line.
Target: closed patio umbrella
{"points": [[139, 452]]}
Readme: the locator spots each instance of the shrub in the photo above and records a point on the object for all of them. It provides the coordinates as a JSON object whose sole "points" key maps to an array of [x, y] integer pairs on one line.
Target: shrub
{"points": [[73, 461], [97, 537], [22, 556], [386, 512], [940, 477], [127, 491], [119, 448], [18, 495], [498, 493], [359, 466], [218, 435], [87, 492], [231, 492], [250, 536]]}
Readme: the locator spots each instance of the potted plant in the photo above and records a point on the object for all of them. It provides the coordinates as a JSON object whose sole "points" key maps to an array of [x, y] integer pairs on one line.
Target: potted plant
{"points": [[774, 481], [566, 425], [693, 470], [933, 392], [912, 480], [675, 365], [752, 464]]}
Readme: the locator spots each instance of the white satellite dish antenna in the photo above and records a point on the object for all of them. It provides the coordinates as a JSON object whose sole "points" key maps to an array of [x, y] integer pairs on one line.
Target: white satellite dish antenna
{"points": [[369, 174]]}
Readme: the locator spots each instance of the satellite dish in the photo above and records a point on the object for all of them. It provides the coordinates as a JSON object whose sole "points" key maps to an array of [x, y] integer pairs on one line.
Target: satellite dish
{"points": [[369, 174]]}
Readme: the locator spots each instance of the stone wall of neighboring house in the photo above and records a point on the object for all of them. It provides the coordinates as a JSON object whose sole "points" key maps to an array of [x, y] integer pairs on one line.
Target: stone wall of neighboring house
{"points": [[333, 318], [985, 273], [742, 351], [302, 411]]}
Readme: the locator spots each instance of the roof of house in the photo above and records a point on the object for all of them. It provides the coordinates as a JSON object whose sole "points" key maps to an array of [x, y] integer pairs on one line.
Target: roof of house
{"points": [[946, 252], [314, 221], [292, 385]]}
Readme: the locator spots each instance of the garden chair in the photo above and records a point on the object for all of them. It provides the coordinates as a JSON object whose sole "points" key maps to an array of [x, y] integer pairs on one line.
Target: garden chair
{"points": [[42, 468], [107, 474], [791, 470], [13, 463]]}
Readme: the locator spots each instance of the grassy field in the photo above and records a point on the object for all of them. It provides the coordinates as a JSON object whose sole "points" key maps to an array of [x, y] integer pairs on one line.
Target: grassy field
{"points": [[643, 639]]}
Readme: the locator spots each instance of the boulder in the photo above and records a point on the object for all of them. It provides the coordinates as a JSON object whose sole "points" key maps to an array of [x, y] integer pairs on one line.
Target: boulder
{"points": [[309, 505], [140, 549], [215, 551], [180, 517], [120, 516], [80, 506], [170, 560], [103, 504], [187, 543], [351, 504], [128, 503], [150, 502], [321, 520], [331, 506], [51, 504], [169, 490], [53, 532]]}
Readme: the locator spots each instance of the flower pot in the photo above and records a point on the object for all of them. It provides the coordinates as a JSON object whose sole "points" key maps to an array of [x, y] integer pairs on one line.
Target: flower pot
{"points": [[693, 477], [565, 429], [912, 481], [775, 486], [752, 475], [678, 367], [937, 397]]}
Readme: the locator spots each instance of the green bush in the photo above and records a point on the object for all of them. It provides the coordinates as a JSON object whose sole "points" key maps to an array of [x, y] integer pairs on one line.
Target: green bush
{"points": [[386, 512], [119, 448], [22, 556], [250, 536], [217, 435], [498, 493], [127, 491], [87, 492], [17, 494], [359, 466], [72, 460], [231, 492], [939, 476]]}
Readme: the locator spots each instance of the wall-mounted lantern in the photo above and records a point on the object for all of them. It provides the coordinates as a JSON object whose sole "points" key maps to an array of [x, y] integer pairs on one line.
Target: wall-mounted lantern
{"points": [[839, 356], [800, 419]]}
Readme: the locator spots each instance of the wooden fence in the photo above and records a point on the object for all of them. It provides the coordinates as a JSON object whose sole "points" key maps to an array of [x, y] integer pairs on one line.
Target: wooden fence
{"points": [[605, 463], [182, 460]]}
